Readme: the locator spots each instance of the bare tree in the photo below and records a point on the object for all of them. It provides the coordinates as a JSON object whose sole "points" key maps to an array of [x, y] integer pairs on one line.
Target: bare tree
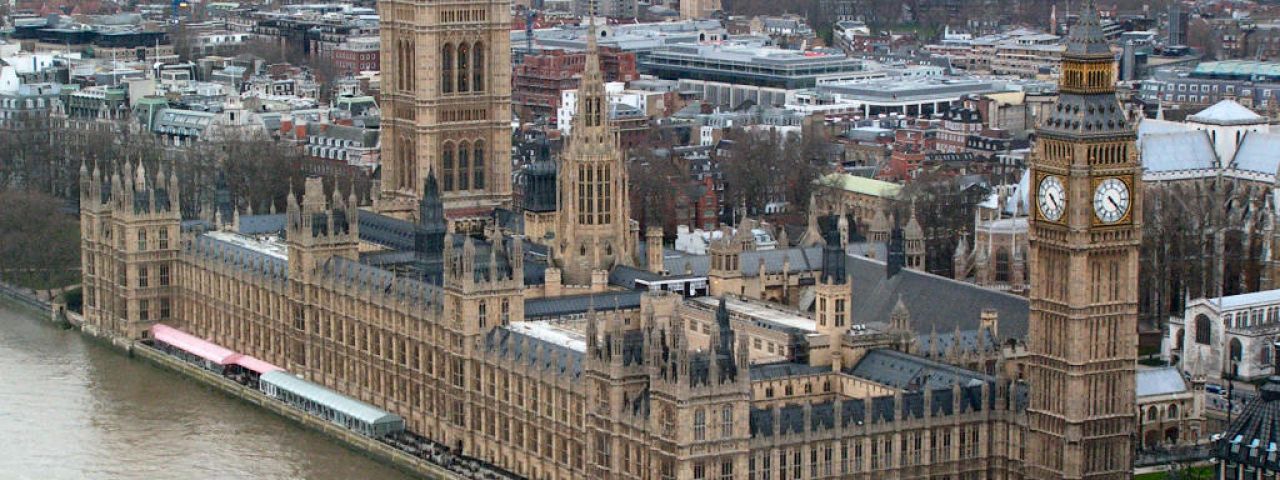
{"points": [[39, 243]]}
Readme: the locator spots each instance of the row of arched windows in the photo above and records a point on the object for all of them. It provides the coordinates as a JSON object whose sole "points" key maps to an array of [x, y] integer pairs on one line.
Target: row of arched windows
{"points": [[407, 162], [462, 67], [462, 166], [406, 60]]}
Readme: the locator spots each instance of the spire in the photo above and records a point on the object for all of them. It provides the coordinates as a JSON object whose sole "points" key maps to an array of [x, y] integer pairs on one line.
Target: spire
{"points": [[1086, 37], [592, 101], [900, 319], [913, 229]]}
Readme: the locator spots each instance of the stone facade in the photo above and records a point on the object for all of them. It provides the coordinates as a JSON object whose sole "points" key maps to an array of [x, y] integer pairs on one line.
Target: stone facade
{"points": [[1084, 264], [1232, 337], [446, 104]]}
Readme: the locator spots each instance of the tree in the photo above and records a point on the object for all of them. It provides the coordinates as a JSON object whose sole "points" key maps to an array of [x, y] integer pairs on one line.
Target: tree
{"points": [[39, 243], [944, 211], [768, 167]]}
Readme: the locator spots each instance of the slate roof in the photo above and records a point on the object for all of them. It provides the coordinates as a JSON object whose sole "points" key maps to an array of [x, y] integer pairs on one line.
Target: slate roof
{"points": [[933, 302], [551, 307], [770, 371], [1086, 37], [536, 352], [1177, 151], [1259, 152], [980, 340], [240, 256], [1160, 381], [1227, 112], [373, 279], [1253, 437], [909, 372], [263, 224]]}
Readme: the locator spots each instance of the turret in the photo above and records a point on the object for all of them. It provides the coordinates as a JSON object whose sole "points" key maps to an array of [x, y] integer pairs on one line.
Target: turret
{"points": [[913, 235], [653, 249]]}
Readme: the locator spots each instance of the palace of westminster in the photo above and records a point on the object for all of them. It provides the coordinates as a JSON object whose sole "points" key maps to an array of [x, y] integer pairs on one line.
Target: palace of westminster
{"points": [[574, 346]]}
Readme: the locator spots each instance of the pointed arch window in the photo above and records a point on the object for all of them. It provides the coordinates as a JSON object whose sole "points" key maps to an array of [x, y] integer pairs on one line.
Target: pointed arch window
{"points": [[477, 68], [446, 68], [446, 165], [464, 66], [464, 166], [477, 166]]}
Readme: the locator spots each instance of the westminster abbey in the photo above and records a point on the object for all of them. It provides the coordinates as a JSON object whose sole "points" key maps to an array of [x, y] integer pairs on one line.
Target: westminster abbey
{"points": [[586, 351]]}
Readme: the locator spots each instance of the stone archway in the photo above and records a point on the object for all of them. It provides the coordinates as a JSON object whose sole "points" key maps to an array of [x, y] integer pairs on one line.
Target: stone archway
{"points": [[1151, 439], [1171, 435]]}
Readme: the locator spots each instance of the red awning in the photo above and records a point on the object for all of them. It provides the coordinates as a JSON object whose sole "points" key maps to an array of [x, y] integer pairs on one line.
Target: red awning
{"points": [[193, 345]]}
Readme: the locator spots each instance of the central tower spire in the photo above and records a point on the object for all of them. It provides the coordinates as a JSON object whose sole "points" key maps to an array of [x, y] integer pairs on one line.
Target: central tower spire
{"points": [[593, 226]]}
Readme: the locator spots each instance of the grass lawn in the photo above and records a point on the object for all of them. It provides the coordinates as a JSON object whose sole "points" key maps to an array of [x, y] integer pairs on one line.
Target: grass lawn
{"points": [[1205, 472]]}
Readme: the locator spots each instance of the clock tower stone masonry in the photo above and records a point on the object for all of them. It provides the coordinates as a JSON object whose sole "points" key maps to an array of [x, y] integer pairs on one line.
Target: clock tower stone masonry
{"points": [[1084, 239]]}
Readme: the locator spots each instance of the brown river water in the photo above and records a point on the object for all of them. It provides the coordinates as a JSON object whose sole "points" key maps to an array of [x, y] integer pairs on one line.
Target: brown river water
{"points": [[74, 409]]}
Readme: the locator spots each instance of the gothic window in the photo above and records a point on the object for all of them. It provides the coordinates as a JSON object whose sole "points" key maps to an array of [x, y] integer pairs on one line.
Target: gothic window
{"points": [[142, 240], [446, 164], [464, 166], [464, 66], [482, 313], [1177, 341], [699, 424], [162, 238], [1237, 350], [143, 278], [1152, 414], [506, 311], [165, 308], [1202, 329], [1173, 411], [726, 470], [1002, 265], [477, 165], [726, 421], [699, 471], [477, 67], [446, 71], [602, 450]]}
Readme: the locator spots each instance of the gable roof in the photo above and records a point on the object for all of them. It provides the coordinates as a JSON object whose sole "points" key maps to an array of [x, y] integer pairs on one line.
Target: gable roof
{"points": [[933, 302], [909, 372], [1160, 381], [1259, 152]]}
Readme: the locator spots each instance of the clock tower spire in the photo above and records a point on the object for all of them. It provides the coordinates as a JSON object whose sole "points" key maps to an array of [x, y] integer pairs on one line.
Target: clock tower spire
{"points": [[1084, 240]]}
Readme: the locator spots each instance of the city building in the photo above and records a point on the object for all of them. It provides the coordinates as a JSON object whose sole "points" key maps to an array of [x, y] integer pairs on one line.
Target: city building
{"points": [[446, 107], [1250, 83], [539, 80], [746, 64], [1170, 408], [1084, 295], [698, 9], [466, 338], [1231, 337], [357, 54]]}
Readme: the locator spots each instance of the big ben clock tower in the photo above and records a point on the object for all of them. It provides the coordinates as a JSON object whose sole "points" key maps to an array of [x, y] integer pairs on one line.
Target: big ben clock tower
{"points": [[1084, 236]]}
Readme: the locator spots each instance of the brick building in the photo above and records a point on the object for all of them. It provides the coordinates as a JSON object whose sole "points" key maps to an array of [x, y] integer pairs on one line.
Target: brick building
{"points": [[536, 84]]}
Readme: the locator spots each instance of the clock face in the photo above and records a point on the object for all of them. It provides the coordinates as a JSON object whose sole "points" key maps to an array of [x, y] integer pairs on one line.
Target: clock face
{"points": [[1052, 198], [1111, 200]]}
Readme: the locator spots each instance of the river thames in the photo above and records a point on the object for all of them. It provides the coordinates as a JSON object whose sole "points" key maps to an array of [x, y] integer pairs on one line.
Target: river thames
{"points": [[74, 409]]}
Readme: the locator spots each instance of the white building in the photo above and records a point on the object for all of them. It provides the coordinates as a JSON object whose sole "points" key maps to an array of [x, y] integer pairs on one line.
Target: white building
{"points": [[1226, 337], [1225, 139]]}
